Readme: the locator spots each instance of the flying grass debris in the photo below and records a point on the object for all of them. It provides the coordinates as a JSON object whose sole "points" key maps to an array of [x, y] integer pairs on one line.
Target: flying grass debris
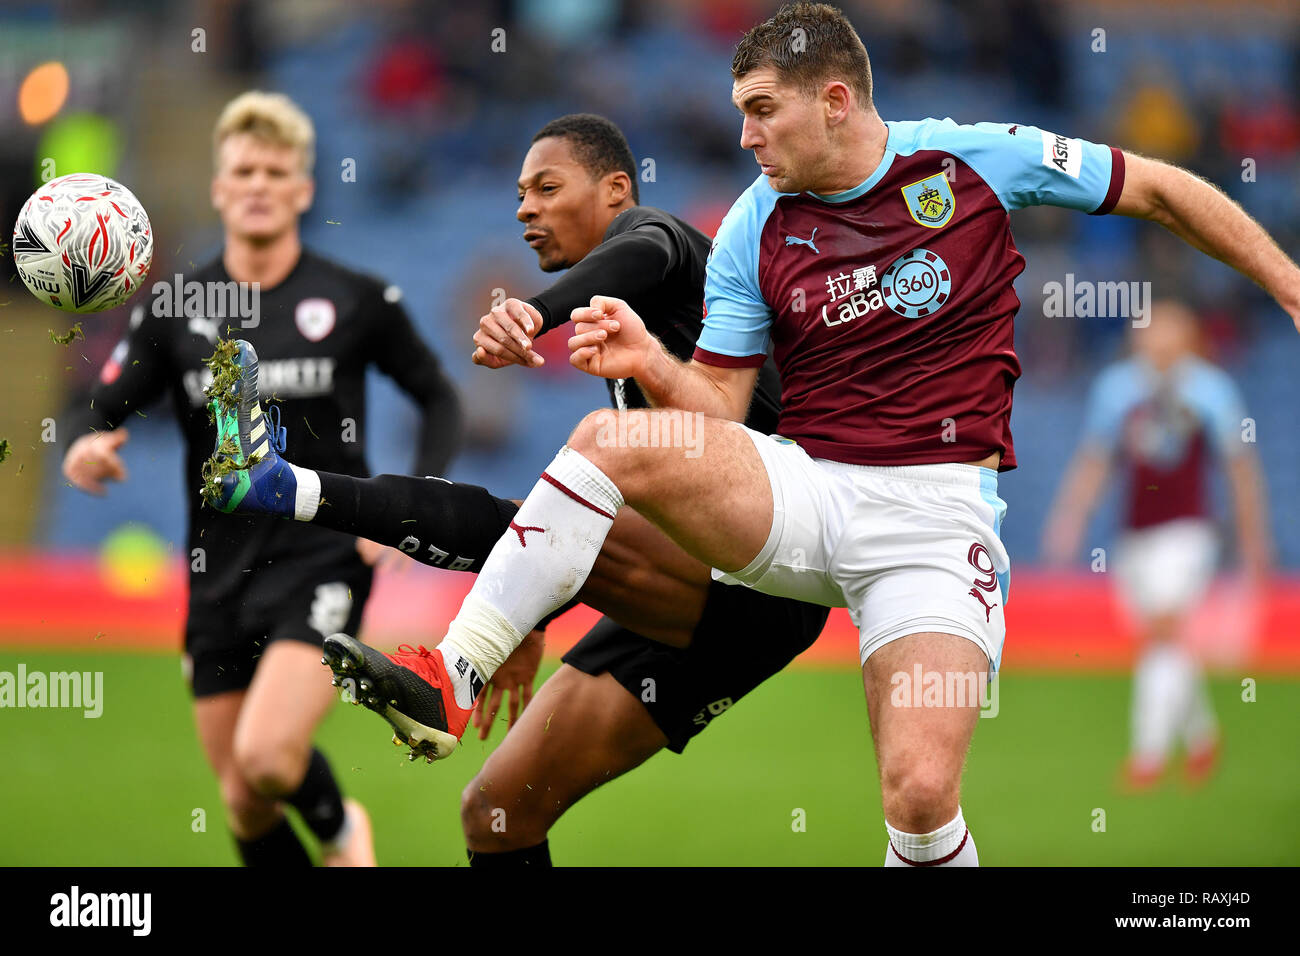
{"points": [[67, 337]]}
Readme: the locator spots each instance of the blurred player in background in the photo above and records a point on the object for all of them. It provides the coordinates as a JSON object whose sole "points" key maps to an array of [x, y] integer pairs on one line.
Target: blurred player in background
{"points": [[1157, 420], [264, 594], [619, 697]]}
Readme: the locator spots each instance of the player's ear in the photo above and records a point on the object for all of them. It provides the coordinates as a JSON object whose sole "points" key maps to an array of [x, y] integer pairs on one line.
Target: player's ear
{"points": [[618, 186], [837, 100]]}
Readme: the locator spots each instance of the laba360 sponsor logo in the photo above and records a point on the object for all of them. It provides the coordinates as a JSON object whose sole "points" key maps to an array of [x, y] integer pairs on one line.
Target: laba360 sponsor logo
{"points": [[916, 284]]}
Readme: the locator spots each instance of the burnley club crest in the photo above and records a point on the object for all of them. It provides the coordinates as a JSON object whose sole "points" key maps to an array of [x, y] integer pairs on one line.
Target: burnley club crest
{"points": [[930, 201]]}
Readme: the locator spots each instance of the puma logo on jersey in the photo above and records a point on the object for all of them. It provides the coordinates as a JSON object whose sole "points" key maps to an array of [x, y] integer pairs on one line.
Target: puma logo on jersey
{"points": [[797, 241]]}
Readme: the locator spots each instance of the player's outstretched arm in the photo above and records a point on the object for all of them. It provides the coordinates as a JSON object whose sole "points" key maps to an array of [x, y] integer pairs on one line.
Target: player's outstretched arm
{"points": [[624, 266], [1201, 215], [1250, 509], [133, 378], [1080, 490], [611, 341]]}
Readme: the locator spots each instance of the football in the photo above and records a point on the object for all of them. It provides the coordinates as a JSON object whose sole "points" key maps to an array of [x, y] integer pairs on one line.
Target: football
{"points": [[83, 243]]}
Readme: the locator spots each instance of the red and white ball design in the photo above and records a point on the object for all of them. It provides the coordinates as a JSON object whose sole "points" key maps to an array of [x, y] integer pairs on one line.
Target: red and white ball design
{"points": [[83, 243]]}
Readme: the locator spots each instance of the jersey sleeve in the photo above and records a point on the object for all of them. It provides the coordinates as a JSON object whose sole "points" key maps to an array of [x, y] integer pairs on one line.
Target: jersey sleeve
{"points": [[624, 266], [134, 376], [737, 321], [1109, 401], [1028, 166], [401, 354], [1222, 409]]}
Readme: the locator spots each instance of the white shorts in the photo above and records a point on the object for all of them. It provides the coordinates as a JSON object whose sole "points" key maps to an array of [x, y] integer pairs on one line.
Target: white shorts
{"points": [[906, 549], [1166, 568]]}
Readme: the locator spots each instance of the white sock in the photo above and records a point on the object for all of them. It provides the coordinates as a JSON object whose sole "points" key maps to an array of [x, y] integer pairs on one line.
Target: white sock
{"points": [[950, 845], [307, 498], [536, 567], [1160, 689], [1199, 724]]}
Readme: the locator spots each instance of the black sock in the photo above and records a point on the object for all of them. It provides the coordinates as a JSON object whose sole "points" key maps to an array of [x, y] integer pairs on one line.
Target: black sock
{"points": [[278, 847], [440, 523], [318, 799], [539, 855]]}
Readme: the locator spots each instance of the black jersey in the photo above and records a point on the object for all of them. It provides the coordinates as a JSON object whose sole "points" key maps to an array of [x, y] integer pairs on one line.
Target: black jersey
{"points": [[315, 334], [654, 262]]}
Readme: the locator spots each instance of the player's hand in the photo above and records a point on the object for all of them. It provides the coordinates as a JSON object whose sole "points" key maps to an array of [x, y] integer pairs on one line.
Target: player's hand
{"points": [[504, 336], [381, 555], [93, 459], [515, 676], [610, 339]]}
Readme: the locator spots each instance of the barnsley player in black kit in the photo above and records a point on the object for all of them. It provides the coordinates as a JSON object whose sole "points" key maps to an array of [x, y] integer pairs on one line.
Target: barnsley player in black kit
{"points": [[619, 697], [263, 593]]}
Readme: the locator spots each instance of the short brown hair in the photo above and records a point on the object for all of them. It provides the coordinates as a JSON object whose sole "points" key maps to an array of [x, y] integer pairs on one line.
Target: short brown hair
{"points": [[807, 44]]}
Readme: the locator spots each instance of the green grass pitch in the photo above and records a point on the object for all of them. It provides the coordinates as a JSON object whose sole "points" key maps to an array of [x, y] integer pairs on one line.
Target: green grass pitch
{"points": [[122, 789]]}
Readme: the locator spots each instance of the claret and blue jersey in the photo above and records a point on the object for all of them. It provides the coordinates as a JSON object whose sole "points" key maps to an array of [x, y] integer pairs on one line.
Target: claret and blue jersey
{"points": [[890, 307], [1160, 429]]}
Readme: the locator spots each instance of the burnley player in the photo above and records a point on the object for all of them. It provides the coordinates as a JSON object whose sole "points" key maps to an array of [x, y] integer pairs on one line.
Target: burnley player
{"points": [[264, 594], [669, 628], [877, 258], [1158, 421]]}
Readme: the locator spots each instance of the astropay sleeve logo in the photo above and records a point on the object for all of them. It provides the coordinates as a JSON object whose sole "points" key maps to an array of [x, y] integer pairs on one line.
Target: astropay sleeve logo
{"points": [[74, 909], [1061, 154]]}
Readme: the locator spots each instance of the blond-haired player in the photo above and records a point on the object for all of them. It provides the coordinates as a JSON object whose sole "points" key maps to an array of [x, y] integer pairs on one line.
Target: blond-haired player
{"points": [[263, 594]]}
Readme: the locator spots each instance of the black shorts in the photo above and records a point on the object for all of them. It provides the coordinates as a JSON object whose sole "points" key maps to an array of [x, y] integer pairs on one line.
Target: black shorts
{"points": [[225, 638], [743, 638]]}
